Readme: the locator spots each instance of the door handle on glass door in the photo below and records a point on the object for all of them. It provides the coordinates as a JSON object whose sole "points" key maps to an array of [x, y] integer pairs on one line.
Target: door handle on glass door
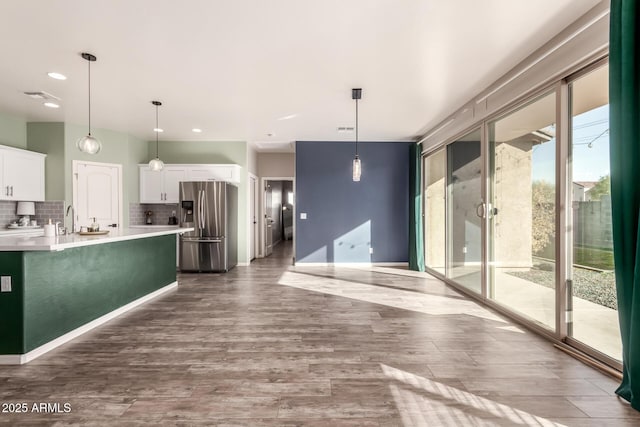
{"points": [[481, 210]]}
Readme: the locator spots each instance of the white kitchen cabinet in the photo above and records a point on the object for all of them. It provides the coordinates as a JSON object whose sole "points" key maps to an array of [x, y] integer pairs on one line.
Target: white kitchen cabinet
{"points": [[172, 177], [161, 186], [228, 173], [21, 174]]}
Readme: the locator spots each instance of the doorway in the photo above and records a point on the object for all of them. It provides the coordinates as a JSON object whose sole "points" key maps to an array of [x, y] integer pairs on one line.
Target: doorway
{"points": [[97, 193], [278, 208], [253, 216]]}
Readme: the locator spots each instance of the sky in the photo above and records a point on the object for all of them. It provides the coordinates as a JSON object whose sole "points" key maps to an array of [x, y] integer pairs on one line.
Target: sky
{"points": [[589, 163]]}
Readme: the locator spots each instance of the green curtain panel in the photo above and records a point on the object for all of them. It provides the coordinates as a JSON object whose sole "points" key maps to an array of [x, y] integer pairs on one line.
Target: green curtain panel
{"points": [[624, 95], [416, 241]]}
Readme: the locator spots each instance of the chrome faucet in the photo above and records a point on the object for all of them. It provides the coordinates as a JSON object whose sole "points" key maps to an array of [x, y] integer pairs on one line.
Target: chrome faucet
{"points": [[73, 218]]}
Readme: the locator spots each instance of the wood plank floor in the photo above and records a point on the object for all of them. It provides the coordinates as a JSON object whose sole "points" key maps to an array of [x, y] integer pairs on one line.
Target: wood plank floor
{"points": [[276, 345]]}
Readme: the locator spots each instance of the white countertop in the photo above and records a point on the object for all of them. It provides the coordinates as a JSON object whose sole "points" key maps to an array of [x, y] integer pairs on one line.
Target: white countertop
{"points": [[21, 231], [153, 226], [19, 243]]}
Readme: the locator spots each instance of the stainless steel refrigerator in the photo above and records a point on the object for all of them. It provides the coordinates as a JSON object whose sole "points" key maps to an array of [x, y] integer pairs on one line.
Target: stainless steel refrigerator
{"points": [[211, 207]]}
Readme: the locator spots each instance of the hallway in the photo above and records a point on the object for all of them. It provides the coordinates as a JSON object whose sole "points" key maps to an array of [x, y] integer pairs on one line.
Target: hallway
{"points": [[273, 344]]}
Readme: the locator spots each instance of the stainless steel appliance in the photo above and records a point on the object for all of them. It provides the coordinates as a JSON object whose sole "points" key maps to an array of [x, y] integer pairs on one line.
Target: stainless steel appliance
{"points": [[211, 207]]}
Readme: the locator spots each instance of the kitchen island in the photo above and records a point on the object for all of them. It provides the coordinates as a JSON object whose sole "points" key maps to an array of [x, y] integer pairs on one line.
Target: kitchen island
{"points": [[56, 288]]}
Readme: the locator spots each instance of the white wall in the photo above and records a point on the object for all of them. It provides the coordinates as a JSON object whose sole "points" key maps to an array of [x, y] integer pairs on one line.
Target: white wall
{"points": [[252, 159], [585, 39]]}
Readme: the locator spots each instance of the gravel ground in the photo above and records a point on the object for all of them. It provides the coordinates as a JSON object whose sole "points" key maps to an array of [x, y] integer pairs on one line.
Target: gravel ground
{"points": [[597, 287]]}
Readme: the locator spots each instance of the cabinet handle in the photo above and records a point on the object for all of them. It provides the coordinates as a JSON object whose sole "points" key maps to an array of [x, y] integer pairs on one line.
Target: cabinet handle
{"points": [[12, 191], [7, 192]]}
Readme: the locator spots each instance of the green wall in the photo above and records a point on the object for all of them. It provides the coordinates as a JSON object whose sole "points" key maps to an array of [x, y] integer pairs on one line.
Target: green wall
{"points": [[48, 138], [12, 304], [221, 152], [13, 131], [58, 141], [118, 148], [57, 292]]}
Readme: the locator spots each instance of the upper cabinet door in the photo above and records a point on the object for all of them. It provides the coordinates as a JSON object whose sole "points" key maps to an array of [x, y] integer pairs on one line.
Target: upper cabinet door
{"points": [[172, 177], [227, 173], [151, 188], [22, 175], [163, 186]]}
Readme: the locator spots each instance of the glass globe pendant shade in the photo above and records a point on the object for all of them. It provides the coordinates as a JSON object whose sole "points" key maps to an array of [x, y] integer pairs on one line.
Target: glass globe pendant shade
{"points": [[357, 169], [89, 144], [156, 164]]}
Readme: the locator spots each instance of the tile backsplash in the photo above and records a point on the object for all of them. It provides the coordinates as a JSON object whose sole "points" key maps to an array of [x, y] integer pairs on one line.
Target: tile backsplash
{"points": [[44, 211], [161, 213]]}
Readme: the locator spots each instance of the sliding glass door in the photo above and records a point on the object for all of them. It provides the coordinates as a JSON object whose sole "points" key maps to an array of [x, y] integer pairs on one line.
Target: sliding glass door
{"points": [[435, 188], [501, 222], [464, 224], [521, 211], [591, 289]]}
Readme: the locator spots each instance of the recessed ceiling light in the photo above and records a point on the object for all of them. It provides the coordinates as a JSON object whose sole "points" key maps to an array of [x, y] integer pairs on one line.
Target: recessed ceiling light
{"points": [[196, 130], [289, 117], [57, 76], [158, 130], [51, 105]]}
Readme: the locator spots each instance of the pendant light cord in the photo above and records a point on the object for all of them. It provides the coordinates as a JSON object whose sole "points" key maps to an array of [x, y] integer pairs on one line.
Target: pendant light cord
{"points": [[157, 156], [89, 64], [356, 127]]}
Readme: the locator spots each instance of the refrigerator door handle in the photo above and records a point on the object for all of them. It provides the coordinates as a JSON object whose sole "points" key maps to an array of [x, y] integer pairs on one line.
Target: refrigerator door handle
{"points": [[204, 223], [201, 209]]}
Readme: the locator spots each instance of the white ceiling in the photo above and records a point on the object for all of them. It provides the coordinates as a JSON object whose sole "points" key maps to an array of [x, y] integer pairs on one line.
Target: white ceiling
{"points": [[243, 69]]}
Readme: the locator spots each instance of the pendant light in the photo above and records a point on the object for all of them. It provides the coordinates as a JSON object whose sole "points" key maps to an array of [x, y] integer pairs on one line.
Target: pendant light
{"points": [[156, 164], [88, 143], [357, 166]]}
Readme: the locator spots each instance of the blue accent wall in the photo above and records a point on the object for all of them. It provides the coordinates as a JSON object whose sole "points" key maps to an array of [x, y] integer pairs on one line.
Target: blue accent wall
{"points": [[346, 218]]}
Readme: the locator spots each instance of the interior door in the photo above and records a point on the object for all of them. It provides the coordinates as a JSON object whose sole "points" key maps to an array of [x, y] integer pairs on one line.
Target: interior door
{"points": [[268, 220], [253, 184], [97, 193]]}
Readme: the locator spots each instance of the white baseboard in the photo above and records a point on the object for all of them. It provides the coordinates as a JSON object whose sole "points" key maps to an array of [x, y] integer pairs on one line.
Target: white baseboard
{"points": [[19, 359], [242, 264]]}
